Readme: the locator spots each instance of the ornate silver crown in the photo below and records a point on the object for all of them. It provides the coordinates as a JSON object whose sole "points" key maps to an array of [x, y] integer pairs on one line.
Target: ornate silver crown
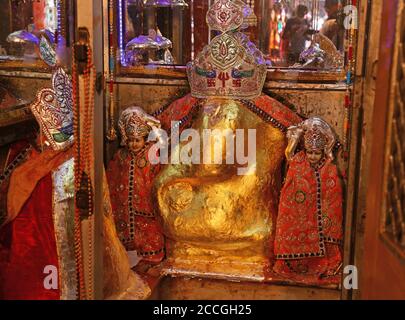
{"points": [[231, 65], [316, 133], [53, 110]]}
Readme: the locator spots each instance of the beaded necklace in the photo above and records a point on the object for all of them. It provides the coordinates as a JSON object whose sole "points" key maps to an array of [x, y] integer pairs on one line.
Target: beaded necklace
{"points": [[111, 132], [350, 68], [83, 168]]}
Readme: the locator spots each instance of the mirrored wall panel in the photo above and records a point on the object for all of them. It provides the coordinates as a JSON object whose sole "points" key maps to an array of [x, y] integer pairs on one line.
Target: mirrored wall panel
{"points": [[304, 34], [23, 24]]}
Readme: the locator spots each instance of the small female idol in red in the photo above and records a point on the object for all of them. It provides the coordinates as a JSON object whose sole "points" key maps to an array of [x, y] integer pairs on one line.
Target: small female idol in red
{"points": [[309, 223], [130, 175]]}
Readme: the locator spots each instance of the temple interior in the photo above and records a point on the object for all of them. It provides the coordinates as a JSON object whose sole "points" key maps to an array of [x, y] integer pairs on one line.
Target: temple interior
{"points": [[202, 149]]}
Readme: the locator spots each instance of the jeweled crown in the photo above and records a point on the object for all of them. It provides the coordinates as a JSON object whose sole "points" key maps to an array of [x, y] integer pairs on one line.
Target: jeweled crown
{"points": [[231, 65], [135, 122], [53, 110], [314, 139], [316, 133]]}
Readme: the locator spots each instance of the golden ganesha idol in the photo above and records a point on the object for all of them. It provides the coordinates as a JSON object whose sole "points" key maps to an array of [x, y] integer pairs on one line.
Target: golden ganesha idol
{"points": [[218, 221]]}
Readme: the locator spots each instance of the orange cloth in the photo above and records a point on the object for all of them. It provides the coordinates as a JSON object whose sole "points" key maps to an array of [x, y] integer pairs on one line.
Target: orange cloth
{"points": [[26, 177]]}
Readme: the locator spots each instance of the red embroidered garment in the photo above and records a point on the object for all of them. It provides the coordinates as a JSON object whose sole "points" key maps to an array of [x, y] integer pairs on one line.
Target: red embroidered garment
{"points": [[28, 243], [176, 111], [180, 108], [28, 239], [130, 179], [15, 154], [309, 223], [278, 111]]}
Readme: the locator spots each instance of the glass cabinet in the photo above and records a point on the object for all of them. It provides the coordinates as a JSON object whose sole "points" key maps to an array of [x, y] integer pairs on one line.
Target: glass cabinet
{"points": [[304, 35], [22, 25]]}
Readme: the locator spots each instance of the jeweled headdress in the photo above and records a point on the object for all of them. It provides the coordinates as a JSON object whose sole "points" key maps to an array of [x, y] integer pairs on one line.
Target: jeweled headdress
{"points": [[314, 139], [135, 122], [231, 65], [317, 134], [53, 110]]}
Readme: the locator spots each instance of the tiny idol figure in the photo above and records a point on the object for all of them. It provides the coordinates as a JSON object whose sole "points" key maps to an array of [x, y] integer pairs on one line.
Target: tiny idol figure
{"points": [[131, 174], [309, 223]]}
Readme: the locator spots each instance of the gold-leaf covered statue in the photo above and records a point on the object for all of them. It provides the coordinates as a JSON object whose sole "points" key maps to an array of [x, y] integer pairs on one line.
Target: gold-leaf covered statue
{"points": [[218, 197]]}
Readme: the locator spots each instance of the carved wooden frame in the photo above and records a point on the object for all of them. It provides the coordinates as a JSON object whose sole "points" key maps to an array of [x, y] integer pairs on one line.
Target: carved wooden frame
{"points": [[392, 222]]}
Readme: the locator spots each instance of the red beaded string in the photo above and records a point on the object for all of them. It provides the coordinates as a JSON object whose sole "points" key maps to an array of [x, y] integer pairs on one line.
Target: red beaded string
{"points": [[77, 173], [350, 68], [111, 132], [83, 166]]}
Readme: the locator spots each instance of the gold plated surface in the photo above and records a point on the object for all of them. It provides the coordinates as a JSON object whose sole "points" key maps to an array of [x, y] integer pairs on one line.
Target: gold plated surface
{"points": [[216, 220]]}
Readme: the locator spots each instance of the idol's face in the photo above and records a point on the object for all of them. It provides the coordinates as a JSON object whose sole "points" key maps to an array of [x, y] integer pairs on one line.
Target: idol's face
{"points": [[314, 156], [135, 144]]}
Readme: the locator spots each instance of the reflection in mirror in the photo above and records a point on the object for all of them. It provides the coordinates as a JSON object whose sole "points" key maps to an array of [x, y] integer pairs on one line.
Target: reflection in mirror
{"points": [[291, 33], [152, 31], [22, 25], [303, 33]]}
